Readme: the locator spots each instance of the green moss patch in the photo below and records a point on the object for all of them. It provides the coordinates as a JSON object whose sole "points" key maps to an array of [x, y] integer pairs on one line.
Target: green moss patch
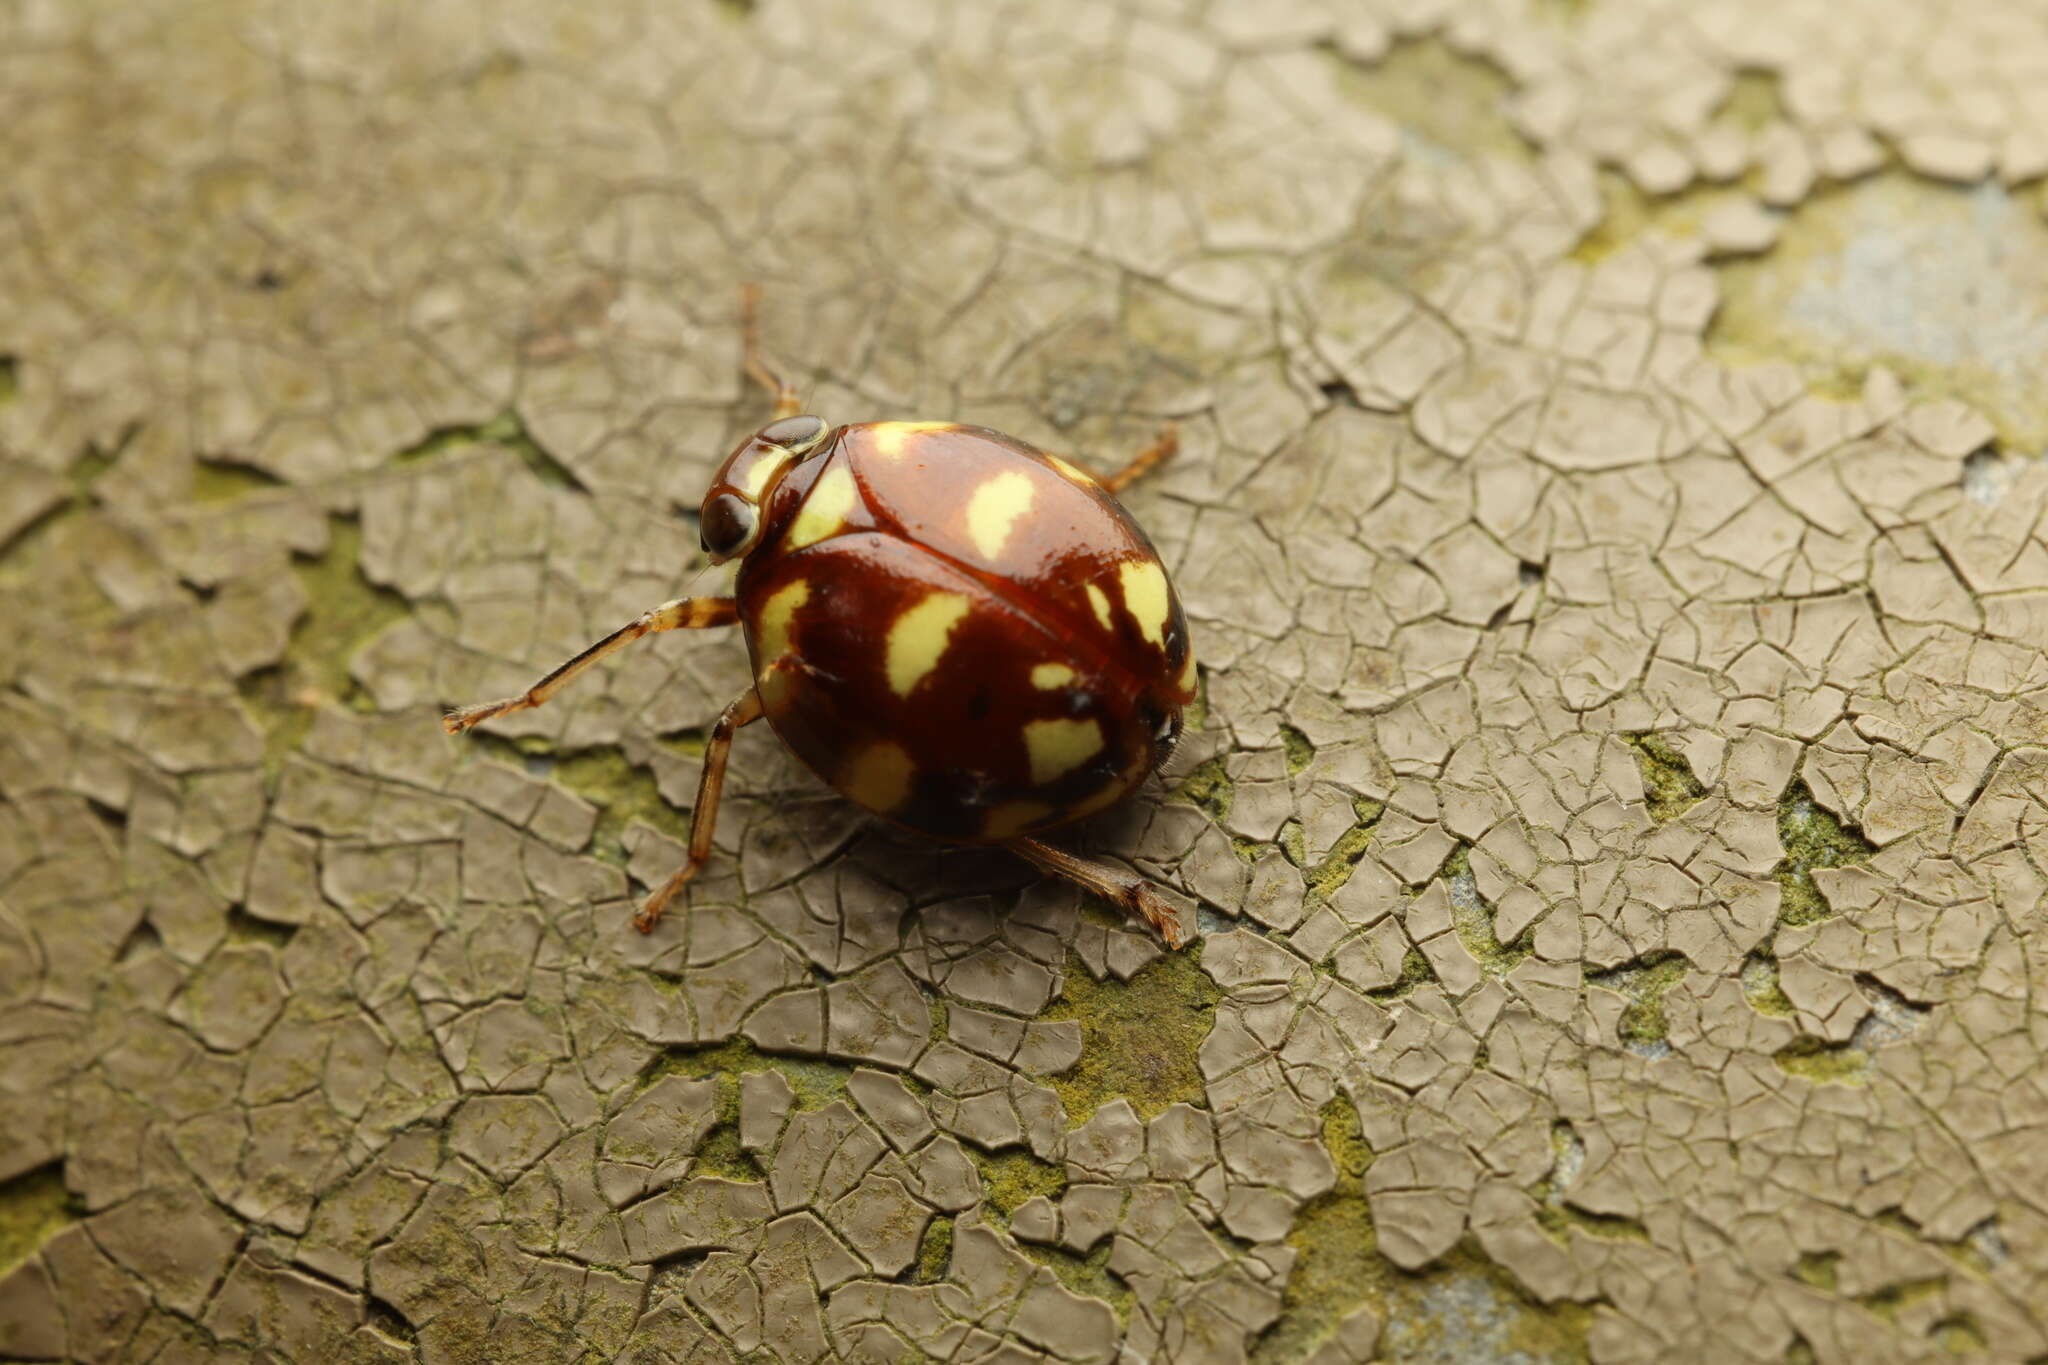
{"points": [[934, 1252], [1208, 787], [1812, 838], [1668, 780], [1644, 982], [1300, 751], [1139, 1038], [1342, 860], [623, 792], [1009, 1179], [1472, 919], [34, 1207], [1760, 986], [1824, 1063], [224, 481], [505, 431], [344, 612]]}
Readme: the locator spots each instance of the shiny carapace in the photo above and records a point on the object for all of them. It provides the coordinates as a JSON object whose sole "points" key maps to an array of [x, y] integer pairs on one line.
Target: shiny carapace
{"points": [[965, 635]]}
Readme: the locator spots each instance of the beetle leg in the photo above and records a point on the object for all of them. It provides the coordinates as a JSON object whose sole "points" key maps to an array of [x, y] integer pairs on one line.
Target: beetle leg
{"points": [[1132, 893], [1145, 461], [704, 819], [685, 613], [750, 330]]}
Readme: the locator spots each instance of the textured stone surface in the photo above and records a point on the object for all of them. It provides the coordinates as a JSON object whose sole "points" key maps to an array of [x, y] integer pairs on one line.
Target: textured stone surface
{"points": [[1611, 515]]}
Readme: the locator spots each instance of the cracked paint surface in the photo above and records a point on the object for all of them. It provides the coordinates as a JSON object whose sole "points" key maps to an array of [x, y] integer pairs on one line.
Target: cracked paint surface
{"points": [[1610, 516]]}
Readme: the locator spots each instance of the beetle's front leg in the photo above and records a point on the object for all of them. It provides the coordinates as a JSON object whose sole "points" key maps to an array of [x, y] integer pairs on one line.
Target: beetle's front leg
{"points": [[685, 613], [1126, 890], [745, 710], [1163, 448]]}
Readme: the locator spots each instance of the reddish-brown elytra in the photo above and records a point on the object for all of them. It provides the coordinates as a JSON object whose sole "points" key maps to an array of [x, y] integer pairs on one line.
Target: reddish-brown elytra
{"points": [[965, 635]]}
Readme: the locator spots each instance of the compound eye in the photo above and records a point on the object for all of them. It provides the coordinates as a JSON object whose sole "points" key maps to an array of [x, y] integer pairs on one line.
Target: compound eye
{"points": [[795, 434], [1165, 733], [727, 525]]}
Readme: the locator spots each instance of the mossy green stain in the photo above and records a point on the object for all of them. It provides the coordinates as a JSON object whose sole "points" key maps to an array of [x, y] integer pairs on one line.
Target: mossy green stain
{"points": [[1812, 838], [1644, 982], [505, 431], [1824, 1063], [1087, 1275], [623, 792], [1336, 867], [1891, 1300], [1139, 1038], [934, 1252], [1959, 1334], [1472, 919], [1669, 784], [1760, 987], [344, 612], [817, 1082], [1207, 787], [224, 481], [1300, 751], [1010, 1178], [1818, 1269], [1415, 972], [34, 1207]]}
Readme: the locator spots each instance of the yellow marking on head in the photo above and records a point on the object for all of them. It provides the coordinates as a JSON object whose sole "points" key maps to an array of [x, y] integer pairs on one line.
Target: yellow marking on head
{"points": [[994, 508], [919, 637], [1189, 681], [1099, 600], [889, 437], [824, 510], [1057, 747], [762, 470], [1145, 597], [771, 628], [1012, 818], [1079, 476], [1049, 676], [880, 778]]}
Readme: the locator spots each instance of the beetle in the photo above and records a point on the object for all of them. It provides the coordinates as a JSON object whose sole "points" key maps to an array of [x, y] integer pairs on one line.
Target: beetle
{"points": [[966, 636]]}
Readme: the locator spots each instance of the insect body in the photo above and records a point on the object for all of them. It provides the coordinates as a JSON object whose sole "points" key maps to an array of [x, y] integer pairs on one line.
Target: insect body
{"points": [[962, 634]]}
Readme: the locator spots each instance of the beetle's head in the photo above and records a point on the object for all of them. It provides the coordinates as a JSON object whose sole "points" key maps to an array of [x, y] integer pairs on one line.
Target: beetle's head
{"points": [[729, 523]]}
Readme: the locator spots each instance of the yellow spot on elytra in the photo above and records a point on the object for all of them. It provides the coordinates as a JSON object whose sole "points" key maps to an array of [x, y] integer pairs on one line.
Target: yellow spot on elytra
{"points": [[1188, 680], [994, 508], [889, 437], [824, 510], [1057, 747], [1145, 597], [1051, 675], [1079, 476], [1012, 818], [772, 687], [771, 628], [880, 778], [919, 637], [764, 469], [1099, 600]]}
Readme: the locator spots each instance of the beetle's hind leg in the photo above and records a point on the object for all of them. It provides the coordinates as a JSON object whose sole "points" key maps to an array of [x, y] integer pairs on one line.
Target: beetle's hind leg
{"points": [[1126, 890], [786, 404], [1162, 449], [704, 819], [685, 613]]}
